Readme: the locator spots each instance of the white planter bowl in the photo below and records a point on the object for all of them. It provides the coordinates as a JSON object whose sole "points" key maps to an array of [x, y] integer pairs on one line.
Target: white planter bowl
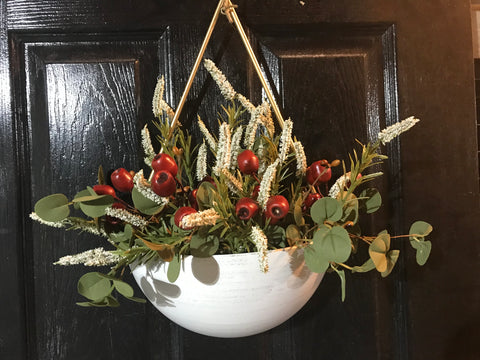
{"points": [[227, 295]]}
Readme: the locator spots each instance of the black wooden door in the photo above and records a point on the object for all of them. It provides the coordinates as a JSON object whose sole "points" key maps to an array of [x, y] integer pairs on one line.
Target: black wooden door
{"points": [[76, 85]]}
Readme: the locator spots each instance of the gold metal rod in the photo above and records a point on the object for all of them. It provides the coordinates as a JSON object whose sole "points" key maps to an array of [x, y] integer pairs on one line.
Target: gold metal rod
{"points": [[233, 15], [197, 64]]}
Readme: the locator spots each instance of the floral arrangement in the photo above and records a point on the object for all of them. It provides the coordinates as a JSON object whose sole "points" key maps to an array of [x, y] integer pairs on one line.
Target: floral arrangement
{"points": [[249, 189]]}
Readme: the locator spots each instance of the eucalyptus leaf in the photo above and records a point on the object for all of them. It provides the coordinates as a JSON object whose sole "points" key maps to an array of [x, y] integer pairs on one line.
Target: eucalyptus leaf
{"points": [[82, 193], [123, 288], [365, 267], [423, 252], [139, 300], [93, 286], [144, 204], [174, 269], [392, 257], [341, 275], [350, 209], [420, 229], [378, 251], [96, 208], [372, 200], [53, 207], [333, 244], [326, 209], [314, 260]]}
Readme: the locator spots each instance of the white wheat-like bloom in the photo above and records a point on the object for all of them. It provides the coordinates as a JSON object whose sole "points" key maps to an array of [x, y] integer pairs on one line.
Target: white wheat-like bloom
{"points": [[225, 87], [55, 224], [245, 103], [202, 162], [261, 242], [300, 157], [233, 183], [143, 188], [236, 139], [223, 149], [266, 184], [210, 140], [147, 146], [126, 216], [285, 140], [94, 257], [391, 132], [201, 218], [158, 104]]}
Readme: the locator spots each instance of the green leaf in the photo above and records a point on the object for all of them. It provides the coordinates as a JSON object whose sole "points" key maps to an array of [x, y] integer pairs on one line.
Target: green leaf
{"points": [[124, 235], [314, 260], [420, 229], [144, 204], [82, 193], [52, 208], [378, 251], [93, 286], [326, 209], [123, 288], [341, 275], [298, 213], [423, 252], [101, 176], [392, 257], [206, 195], [293, 233], [201, 246], [372, 201], [96, 208], [174, 269], [367, 266], [332, 244]]}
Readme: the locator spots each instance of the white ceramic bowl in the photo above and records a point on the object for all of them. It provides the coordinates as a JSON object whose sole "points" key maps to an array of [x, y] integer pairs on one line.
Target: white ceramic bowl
{"points": [[227, 295]]}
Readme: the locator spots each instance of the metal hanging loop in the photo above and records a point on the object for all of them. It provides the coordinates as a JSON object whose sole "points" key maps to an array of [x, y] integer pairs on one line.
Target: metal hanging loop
{"points": [[226, 8]]}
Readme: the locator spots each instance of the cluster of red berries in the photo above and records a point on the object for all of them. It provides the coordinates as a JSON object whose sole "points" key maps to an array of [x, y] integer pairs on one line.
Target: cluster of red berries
{"points": [[164, 183]]}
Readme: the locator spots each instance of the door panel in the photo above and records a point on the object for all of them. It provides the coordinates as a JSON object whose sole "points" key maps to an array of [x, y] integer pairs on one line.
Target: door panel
{"points": [[78, 78]]}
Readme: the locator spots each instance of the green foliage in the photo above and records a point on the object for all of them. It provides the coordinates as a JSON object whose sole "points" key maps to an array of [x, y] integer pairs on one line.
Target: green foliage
{"points": [[144, 204], [201, 246], [174, 269], [370, 200], [326, 209], [418, 231], [53, 207]]}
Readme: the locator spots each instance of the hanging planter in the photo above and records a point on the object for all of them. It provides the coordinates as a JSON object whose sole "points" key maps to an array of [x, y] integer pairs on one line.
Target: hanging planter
{"points": [[226, 295], [232, 237]]}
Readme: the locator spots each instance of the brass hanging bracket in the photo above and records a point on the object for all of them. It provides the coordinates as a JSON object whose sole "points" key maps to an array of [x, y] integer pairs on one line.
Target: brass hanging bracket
{"points": [[225, 7]]}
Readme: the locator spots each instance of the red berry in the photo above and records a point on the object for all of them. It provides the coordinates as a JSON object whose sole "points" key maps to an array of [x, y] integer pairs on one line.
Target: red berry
{"points": [[104, 190], [246, 208], [311, 198], [163, 183], [180, 213], [166, 163], [318, 171], [247, 162], [192, 199], [122, 180], [277, 208]]}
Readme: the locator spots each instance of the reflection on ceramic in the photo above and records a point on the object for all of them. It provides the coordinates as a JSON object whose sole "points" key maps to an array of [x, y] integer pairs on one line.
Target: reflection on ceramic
{"points": [[228, 295]]}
